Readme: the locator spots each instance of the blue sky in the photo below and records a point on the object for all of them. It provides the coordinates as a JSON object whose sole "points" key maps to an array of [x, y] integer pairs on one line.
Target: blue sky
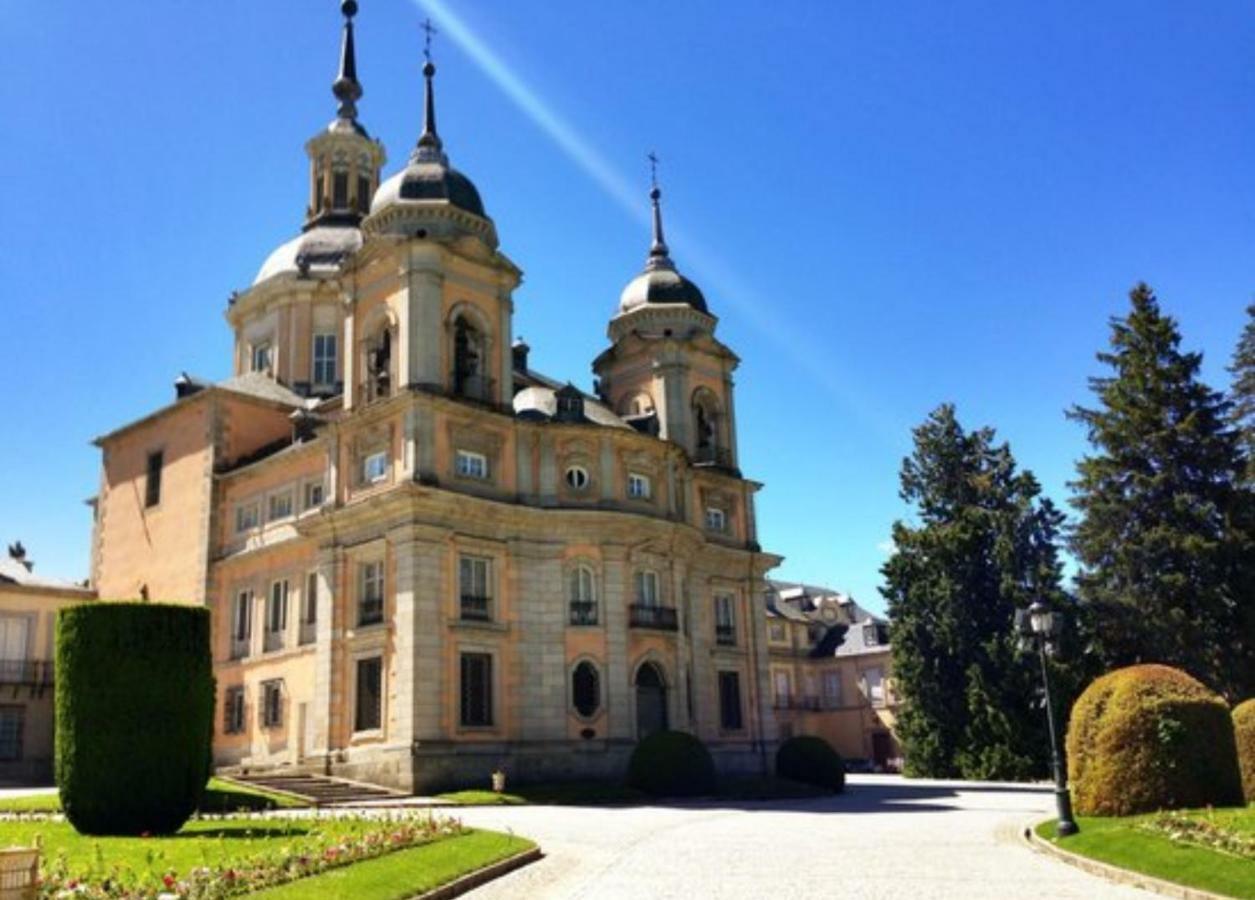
{"points": [[888, 205]]}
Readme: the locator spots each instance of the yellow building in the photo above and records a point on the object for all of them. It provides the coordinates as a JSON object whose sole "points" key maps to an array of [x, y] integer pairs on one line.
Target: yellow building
{"points": [[831, 673], [28, 610], [425, 559]]}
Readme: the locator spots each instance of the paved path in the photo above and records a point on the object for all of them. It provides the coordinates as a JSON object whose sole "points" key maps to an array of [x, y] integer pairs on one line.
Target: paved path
{"points": [[884, 838]]}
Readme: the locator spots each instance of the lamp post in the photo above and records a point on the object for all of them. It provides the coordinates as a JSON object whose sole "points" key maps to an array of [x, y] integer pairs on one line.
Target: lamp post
{"points": [[1040, 625]]}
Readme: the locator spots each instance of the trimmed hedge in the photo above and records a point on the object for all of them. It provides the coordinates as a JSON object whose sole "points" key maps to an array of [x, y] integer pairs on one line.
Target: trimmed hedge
{"points": [[672, 764], [1150, 737], [1244, 734], [811, 760], [134, 714]]}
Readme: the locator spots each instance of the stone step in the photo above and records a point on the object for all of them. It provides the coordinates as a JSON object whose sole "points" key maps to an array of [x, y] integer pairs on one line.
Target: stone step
{"points": [[318, 790]]}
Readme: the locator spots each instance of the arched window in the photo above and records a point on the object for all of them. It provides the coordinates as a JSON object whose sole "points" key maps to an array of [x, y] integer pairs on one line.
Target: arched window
{"points": [[583, 596], [469, 360], [638, 404], [378, 352], [586, 690], [707, 427]]}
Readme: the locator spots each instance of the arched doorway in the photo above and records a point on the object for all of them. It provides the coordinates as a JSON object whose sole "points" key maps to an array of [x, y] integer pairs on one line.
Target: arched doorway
{"points": [[651, 701]]}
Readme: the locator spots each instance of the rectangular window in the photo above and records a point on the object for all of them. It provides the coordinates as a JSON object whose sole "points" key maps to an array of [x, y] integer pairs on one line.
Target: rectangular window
{"points": [[730, 701], [474, 587], [363, 194], [279, 506], [241, 624], [324, 360], [472, 465], [638, 486], [14, 632], [871, 635], [784, 688], [368, 715], [247, 517], [375, 467], [233, 711], [647, 588], [12, 720], [775, 633], [716, 519], [725, 619], [152, 478], [313, 495], [476, 690], [309, 610], [261, 357], [272, 703], [370, 593], [832, 689], [875, 686], [276, 614], [339, 190]]}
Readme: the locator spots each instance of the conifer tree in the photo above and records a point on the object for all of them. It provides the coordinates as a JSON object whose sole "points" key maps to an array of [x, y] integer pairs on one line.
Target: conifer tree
{"points": [[1242, 393], [1160, 540], [982, 546]]}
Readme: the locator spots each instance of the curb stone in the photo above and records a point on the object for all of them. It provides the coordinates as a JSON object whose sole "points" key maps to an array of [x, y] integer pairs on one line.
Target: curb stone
{"points": [[1115, 874], [482, 876]]}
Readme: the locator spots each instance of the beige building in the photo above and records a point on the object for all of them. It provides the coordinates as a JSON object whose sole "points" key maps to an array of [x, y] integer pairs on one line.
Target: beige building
{"points": [[426, 559], [28, 611], [831, 673]]}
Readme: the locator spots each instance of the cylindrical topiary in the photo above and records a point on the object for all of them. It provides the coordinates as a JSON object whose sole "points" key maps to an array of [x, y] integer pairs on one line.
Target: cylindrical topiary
{"points": [[672, 764], [134, 713], [1150, 737], [1244, 734], [811, 760]]}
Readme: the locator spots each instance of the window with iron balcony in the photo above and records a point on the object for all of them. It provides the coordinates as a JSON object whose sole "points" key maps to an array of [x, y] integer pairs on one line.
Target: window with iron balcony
{"points": [[583, 598], [725, 620], [370, 593], [475, 602]]}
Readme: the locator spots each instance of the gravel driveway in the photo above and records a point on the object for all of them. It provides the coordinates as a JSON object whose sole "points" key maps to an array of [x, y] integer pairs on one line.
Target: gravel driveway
{"points": [[884, 838]]}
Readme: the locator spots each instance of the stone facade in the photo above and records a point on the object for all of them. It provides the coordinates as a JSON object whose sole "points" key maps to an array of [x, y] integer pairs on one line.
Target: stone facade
{"points": [[411, 540]]}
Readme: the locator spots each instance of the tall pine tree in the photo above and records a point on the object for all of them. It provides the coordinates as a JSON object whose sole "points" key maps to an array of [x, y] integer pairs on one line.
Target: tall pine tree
{"points": [[1242, 393], [983, 545], [1160, 540]]}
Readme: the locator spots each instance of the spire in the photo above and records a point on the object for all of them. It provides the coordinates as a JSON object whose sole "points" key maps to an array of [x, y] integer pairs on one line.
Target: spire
{"points": [[346, 87], [430, 148], [659, 257]]}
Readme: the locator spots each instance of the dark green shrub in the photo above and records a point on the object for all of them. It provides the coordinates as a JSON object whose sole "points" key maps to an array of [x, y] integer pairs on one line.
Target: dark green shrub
{"points": [[1244, 733], [1150, 737], [811, 760], [134, 712], [672, 764]]}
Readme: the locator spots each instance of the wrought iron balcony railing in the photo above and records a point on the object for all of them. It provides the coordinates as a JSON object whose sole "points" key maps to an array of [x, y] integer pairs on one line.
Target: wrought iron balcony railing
{"points": [[725, 635], [583, 612], [274, 640], [475, 387], [370, 611], [713, 456], [35, 672], [663, 618]]}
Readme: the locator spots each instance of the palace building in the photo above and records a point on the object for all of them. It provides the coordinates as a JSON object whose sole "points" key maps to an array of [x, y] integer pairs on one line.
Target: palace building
{"points": [[424, 558]]}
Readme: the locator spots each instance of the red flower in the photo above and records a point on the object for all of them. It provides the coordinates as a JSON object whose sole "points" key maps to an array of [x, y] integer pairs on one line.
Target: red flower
{"points": [[167, 880]]}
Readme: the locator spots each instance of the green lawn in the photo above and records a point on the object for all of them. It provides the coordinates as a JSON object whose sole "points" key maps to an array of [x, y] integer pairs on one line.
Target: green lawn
{"points": [[1120, 842], [406, 872], [605, 793], [220, 797]]}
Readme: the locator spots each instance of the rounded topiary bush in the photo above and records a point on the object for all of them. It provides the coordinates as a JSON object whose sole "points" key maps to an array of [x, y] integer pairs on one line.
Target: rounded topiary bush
{"points": [[811, 760], [1150, 737], [671, 764], [1244, 733], [134, 714]]}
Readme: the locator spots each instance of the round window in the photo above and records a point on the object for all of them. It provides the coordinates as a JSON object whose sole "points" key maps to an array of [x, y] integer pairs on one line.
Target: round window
{"points": [[577, 477]]}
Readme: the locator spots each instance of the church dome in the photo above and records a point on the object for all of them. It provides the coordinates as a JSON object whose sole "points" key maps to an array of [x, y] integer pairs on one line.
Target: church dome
{"points": [[660, 283], [321, 249], [428, 178], [432, 180]]}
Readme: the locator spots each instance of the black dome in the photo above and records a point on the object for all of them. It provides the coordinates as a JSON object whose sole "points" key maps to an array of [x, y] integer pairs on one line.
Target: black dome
{"points": [[661, 285]]}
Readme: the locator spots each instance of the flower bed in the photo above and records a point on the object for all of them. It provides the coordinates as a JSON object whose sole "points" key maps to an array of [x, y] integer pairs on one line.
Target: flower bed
{"points": [[1201, 831], [279, 852]]}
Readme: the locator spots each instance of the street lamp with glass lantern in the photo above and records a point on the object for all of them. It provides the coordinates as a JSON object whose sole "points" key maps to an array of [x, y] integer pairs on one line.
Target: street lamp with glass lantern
{"points": [[1041, 626]]}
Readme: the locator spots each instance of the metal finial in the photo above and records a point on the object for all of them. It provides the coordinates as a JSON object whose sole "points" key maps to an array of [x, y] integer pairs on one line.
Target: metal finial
{"points": [[346, 87], [430, 30], [658, 253], [430, 147]]}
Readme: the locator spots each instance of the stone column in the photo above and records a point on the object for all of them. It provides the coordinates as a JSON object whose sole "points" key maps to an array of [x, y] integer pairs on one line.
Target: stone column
{"points": [[615, 594], [424, 300], [540, 645], [505, 342], [427, 688], [328, 634]]}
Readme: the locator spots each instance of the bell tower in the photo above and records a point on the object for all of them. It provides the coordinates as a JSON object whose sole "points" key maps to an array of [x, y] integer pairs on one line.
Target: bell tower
{"points": [[665, 372]]}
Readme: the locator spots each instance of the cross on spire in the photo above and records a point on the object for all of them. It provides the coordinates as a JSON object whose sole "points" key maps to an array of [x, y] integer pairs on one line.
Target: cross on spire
{"points": [[653, 168], [430, 31]]}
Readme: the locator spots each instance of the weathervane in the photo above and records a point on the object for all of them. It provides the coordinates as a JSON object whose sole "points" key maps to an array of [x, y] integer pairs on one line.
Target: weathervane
{"points": [[430, 29]]}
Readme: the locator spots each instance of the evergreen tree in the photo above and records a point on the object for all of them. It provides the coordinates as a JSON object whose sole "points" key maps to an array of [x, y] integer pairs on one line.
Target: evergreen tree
{"points": [[983, 546], [1242, 394], [1160, 539]]}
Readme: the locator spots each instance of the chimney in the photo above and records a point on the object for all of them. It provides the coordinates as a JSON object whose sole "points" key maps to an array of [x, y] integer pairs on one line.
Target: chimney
{"points": [[520, 350]]}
